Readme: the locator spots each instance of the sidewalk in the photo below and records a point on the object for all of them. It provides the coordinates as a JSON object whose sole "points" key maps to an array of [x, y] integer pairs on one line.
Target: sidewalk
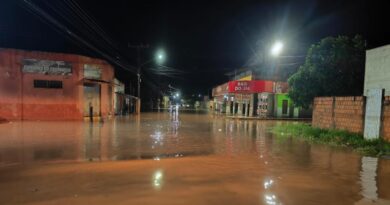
{"points": [[257, 118]]}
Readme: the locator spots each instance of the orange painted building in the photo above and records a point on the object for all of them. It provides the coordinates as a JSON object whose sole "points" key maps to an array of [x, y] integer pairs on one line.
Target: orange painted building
{"points": [[38, 85]]}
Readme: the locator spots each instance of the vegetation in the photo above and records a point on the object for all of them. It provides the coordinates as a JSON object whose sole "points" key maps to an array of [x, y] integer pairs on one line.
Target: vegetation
{"points": [[333, 67], [376, 147]]}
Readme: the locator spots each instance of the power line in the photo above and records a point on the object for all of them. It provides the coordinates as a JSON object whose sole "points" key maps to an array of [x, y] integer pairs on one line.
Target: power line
{"points": [[37, 10]]}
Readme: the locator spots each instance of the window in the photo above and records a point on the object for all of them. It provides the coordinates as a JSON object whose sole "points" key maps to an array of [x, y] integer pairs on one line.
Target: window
{"points": [[54, 84]]}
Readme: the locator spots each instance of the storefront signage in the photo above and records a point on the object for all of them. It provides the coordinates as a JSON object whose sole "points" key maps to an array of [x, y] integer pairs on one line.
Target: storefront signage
{"points": [[251, 86], [281, 87], [119, 86], [48, 67], [92, 72], [220, 90]]}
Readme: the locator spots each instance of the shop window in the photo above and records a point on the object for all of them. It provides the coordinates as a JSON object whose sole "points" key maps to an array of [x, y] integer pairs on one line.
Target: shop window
{"points": [[53, 84]]}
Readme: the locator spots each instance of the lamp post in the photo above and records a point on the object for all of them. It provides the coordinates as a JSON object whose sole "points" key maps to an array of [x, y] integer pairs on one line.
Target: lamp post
{"points": [[159, 58]]}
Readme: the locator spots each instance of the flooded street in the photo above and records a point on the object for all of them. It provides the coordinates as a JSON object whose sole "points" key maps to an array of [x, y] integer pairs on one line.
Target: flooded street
{"points": [[179, 159]]}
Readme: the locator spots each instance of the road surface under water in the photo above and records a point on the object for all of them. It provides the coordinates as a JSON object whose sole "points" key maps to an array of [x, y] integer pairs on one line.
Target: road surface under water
{"points": [[160, 158]]}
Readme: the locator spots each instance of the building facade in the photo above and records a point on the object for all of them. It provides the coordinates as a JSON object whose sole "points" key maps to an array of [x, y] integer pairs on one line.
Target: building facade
{"points": [[248, 94], [38, 85], [377, 75]]}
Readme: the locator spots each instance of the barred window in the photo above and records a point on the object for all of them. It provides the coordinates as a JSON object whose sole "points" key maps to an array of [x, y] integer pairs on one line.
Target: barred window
{"points": [[53, 84]]}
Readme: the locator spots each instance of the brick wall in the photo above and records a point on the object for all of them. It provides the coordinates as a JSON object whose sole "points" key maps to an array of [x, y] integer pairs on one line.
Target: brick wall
{"points": [[386, 119], [323, 112], [344, 113], [349, 113]]}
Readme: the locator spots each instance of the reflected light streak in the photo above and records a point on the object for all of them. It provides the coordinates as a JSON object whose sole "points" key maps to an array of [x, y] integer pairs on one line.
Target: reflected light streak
{"points": [[268, 184], [270, 199], [157, 179]]}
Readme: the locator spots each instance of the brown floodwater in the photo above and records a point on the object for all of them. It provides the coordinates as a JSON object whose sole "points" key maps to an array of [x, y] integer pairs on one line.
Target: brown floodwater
{"points": [[160, 158]]}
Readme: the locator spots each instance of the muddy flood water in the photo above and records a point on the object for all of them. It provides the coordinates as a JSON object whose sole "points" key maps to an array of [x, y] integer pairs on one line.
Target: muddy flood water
{"points": [[160, 158]]}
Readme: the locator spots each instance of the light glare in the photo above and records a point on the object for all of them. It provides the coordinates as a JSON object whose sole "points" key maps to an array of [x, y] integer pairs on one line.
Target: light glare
{"points": [[277, 48]]}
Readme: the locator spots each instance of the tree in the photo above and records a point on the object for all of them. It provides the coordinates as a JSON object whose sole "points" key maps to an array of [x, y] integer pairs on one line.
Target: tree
{"points": [[333, 67]]}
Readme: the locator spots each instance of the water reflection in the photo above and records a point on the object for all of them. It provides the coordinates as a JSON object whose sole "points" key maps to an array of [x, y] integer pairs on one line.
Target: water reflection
{"points": [[268, 184], [157, 179], [368, 178], [238, 161]]}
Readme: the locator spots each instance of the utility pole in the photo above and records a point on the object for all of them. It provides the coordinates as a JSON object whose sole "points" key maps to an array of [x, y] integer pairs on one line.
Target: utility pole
{"points": [[139, 65]]}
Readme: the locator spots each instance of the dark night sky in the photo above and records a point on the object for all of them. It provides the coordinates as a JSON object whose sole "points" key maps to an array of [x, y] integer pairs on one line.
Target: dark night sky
{"points": [[202, 39]]}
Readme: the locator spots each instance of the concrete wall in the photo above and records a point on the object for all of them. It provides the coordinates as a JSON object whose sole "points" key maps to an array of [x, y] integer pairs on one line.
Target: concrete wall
{"points": [[344, 113], [377, 73], [20, 100]]}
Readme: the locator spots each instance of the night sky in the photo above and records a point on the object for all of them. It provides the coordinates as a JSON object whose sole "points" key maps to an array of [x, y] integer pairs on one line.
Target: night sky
{"points": [[202, 40]]}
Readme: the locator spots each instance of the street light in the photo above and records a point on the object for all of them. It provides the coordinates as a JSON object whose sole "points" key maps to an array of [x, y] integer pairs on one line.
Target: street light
{"points": [[160, 57], [277, 48]]}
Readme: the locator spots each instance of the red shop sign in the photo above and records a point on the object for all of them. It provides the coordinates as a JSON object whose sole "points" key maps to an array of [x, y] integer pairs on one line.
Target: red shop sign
{"points": [[251, 86]]}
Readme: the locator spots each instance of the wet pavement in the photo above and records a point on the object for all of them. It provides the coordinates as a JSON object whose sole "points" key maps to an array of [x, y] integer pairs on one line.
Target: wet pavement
{"points": [[179, 159]]}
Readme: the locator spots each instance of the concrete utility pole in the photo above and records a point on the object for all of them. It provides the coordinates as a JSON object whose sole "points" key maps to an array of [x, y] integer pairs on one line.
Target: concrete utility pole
{"points": [[139, 65]]}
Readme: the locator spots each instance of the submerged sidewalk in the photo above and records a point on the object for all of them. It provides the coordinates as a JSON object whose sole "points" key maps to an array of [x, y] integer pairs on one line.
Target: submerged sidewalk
{"points": [[269, 118]]}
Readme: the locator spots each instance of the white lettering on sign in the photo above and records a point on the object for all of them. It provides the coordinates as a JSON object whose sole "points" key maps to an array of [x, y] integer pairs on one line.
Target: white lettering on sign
{"points": [[46, 67], [242, 86], [92, 71]]}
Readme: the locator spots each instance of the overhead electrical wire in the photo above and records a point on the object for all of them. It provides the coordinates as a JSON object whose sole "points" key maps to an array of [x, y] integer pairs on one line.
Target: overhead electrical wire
{"points": [[75, 18]]}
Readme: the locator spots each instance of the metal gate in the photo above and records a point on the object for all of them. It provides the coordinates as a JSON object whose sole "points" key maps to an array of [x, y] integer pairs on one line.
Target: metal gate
{"points": [[91, 99]]}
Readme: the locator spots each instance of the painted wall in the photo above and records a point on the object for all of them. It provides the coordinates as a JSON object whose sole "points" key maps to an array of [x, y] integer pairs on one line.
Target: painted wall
{"points": [[377, 72], [279, 105], [248, 77], [20, 100]]}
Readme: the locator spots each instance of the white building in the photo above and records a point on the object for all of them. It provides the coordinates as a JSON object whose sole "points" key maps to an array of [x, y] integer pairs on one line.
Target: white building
{"points": [[377, 74]]}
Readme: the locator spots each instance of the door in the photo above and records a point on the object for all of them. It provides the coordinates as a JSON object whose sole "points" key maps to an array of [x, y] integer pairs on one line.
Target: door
{"points": [[284, 107], [91, 99]]}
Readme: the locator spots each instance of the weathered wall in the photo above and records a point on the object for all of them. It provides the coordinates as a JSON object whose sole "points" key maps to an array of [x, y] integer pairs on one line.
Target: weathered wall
{"points": [[377, 73], [386, 119], [20, 100], [344, 113]]}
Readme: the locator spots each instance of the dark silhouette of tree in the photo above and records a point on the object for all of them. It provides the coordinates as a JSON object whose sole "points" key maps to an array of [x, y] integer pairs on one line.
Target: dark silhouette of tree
{"points": [[333, 67]]}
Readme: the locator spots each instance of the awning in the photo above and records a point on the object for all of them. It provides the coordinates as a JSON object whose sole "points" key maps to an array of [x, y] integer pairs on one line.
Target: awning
{"points": [[126, 95], [91, 80]]}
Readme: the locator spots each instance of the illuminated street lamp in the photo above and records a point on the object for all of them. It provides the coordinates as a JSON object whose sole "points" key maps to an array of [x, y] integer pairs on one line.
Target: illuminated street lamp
{"points": [[160, 57], [277, 48]]}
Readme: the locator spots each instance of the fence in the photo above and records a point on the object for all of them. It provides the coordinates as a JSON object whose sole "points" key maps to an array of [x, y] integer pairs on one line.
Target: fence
{"points": [[347, 113], [344, 113]]}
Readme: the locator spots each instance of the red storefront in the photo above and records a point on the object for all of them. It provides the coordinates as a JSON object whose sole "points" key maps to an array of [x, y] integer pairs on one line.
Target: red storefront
{"points": [[53, 86], [250, 87], [241, 96]]}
